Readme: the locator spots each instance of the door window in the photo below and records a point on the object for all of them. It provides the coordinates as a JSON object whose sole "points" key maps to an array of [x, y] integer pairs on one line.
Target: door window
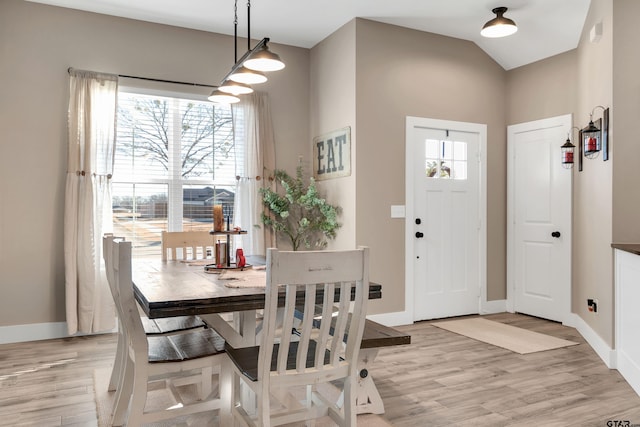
{"points": [[445, 159]]}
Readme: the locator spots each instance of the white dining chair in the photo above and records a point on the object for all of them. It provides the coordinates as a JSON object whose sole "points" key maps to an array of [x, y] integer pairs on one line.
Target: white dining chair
{"points": [[163, 326], [187, 245], [171, 360], [285, 370]]}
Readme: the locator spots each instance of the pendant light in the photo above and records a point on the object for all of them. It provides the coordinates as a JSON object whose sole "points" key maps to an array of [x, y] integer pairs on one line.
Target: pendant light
{"points": [[235, 88], [220, 97], [264, 60], [247, 76], [499, 26], [249, 69]]}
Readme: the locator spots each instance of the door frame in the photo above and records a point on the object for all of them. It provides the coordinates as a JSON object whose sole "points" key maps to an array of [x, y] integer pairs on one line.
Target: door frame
{"points": [[565, 121], [481, 130]]}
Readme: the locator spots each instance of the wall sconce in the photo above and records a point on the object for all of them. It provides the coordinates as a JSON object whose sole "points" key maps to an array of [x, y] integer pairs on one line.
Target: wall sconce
{"points": [[595, 137], [567, 150]]}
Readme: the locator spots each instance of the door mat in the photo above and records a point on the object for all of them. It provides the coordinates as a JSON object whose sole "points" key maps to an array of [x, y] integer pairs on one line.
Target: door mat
{"points": [[509, 337]]}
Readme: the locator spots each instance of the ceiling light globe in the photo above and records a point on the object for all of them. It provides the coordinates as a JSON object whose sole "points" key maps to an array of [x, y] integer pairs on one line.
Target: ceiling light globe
{"points": [[247, 76], [219, 97], [264, 60], [235, 88], [500, 30]]}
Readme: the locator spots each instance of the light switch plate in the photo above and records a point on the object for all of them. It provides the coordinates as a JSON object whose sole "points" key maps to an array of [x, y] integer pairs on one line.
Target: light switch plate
{"points": [[397, 211]]}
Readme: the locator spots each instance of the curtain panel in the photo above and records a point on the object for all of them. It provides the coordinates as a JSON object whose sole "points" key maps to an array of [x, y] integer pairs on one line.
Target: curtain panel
{"points": [[260, 160], [91, 133]]}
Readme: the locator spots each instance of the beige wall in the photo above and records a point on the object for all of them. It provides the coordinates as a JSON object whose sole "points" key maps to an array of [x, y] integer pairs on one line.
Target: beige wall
{"points": [[544, 89], [400, 73], [592, 197], [333, 107], [626, 95], [38, 43]]}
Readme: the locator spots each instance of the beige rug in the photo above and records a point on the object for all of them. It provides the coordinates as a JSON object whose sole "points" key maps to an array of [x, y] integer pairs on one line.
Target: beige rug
{"points": [[158, 398], [499, 334]]}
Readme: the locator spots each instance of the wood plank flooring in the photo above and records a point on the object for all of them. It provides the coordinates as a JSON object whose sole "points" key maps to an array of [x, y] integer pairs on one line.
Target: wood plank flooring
{"points": [[441, 379]]}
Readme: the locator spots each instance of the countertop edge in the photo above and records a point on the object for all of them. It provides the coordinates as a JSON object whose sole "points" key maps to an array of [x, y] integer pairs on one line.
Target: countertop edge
{"points": [[633, 248]]}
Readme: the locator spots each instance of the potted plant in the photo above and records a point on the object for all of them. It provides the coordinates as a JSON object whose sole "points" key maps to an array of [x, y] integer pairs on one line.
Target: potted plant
{"points": [[299, 213]]}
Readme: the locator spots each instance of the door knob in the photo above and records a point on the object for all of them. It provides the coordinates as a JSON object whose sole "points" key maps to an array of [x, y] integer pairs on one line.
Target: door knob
{"points": [[419, 234], [555, 234]]}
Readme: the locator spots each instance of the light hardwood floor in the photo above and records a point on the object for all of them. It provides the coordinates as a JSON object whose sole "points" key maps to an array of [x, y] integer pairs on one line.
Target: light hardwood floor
{"points": [[441, 379]]}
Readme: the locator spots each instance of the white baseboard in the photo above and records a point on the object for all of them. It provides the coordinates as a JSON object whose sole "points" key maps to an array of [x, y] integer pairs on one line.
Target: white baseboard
{"points": [[38, 332], [492, 307], [602, 349], [32, 332], [629, 370]]}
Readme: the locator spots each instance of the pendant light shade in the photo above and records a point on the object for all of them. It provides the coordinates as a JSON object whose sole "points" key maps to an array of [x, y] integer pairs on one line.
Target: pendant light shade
{"points": [[499, 26], [220, 97], [235, 88], [264, 60], [247, 76]]}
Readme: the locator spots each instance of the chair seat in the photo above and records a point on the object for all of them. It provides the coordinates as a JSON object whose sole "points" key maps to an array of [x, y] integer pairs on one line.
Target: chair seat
{"points": [[187, 346], [171, 324], [246, 358]]}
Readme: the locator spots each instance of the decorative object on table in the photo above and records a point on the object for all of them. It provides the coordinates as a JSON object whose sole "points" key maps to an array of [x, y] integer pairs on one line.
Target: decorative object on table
{"points": [[332, 154], [300, 214], [221, 254], [244, 278], [218, 218], [240, 259]]}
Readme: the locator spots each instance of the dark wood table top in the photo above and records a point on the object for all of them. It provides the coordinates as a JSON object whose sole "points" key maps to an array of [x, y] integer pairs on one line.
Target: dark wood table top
{"points": [[174, 288]]}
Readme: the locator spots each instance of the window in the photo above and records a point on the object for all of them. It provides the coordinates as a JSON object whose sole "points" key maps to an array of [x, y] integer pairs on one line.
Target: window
{"points": [[175, 158], [445, 159]]}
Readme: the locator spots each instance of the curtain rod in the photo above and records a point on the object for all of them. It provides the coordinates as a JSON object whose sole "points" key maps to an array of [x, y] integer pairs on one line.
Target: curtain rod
{"points": [[150, 79]]}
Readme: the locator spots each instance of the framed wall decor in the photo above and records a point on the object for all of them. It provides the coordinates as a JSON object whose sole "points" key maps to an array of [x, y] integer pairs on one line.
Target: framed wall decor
{"points": [[332, 154]]}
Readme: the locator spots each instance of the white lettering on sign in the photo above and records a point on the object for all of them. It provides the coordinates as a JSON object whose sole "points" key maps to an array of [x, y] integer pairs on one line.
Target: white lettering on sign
{"points": [[332, 154]]}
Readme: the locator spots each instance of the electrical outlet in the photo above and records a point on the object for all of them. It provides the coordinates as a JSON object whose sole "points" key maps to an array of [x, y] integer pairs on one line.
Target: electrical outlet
{"points": [[592, 305]]}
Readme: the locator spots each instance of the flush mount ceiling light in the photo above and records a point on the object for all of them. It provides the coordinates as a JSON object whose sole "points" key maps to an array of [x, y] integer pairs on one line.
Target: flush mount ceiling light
{"points": [[499, 26], [249, 69]]}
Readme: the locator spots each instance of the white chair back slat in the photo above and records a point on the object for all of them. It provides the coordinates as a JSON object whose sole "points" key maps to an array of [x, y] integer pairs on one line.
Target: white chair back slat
{"points": [[186, 245]]}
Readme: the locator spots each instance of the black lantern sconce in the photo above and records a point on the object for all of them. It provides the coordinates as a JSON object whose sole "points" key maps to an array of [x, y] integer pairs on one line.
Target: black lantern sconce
{"points": [[595, 137], [567, 150]]}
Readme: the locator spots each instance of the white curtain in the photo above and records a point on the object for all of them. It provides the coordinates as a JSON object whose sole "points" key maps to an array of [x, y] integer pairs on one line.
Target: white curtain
{"points": [[91, 121], [259, 164]]}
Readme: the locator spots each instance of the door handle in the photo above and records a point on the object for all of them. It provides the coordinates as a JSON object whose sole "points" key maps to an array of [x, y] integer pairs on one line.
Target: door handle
{"points": [[555, 234], [419, 235]]}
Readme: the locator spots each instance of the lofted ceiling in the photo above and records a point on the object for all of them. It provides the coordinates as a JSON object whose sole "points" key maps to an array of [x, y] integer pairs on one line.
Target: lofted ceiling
{"points": [[545, 27]]}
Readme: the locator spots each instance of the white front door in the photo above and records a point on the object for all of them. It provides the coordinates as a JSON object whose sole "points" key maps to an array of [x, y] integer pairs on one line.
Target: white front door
{"points": [[443, 219], [539, 219]]}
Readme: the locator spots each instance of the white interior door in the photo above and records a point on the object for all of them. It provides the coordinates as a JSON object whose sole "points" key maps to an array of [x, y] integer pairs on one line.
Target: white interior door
{"points": [[444, 221], [539, 214]]}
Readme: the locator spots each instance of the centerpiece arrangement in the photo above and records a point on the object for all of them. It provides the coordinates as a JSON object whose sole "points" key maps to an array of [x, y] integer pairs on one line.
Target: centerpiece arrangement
{"points": [[298, 213]]}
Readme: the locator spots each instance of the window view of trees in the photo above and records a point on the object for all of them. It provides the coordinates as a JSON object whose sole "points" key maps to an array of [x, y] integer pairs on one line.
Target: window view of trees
{"points": [[175, 159]]}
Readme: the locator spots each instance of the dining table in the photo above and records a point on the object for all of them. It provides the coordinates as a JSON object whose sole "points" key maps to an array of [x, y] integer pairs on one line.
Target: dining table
{"points": [[179, 288]]}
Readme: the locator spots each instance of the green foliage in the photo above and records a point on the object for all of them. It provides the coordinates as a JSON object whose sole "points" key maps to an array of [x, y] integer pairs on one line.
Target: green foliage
{"points": [[300, 213]]}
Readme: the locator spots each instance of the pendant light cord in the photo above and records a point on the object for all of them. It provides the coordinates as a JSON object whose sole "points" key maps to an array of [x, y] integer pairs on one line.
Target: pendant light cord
{"points": [[235, 32], [248, 25]]}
